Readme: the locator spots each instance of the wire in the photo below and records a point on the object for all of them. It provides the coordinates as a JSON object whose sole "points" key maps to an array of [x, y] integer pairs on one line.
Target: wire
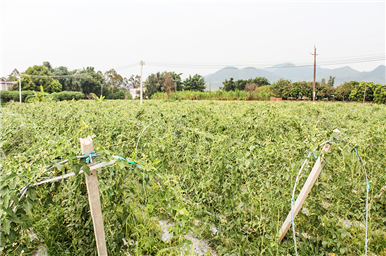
{"points": [[84, 74], [324, 62]]}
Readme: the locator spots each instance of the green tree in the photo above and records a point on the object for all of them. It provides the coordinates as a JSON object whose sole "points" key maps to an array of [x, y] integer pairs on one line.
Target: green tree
{"points": [[89, 81], [241, 84], [177, 81], [358, 91], [261, 81], [37, 76], [152, 85], [229, 85], [380, 93], [278, 87], [115, 81], [156, 83], [331, 81], [48, 66], [194, 83], [343, 90], [134, 81], [66, 78]]}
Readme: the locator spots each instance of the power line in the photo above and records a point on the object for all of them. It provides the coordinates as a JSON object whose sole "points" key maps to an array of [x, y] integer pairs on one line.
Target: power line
{"points": [[326, 61]]}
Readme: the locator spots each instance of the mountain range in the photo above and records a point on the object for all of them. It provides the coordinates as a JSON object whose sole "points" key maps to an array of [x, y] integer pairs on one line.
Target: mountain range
{"points": [[295, 73]]}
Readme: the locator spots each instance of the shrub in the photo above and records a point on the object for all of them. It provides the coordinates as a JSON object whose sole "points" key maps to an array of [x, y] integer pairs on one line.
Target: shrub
{"points": [[380, 94], [6, 96], [67, 95], [119, 95]]}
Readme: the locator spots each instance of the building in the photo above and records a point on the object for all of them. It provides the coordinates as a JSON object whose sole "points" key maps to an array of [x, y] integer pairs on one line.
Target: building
{"points": [[136, 92], [5, 85]]}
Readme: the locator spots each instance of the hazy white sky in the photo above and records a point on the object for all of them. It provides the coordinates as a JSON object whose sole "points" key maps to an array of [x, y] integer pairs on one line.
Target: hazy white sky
{"points": [[193, 34]]}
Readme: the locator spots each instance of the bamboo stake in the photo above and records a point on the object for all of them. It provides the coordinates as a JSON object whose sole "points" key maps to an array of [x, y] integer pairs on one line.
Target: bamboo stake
{"points": [[94, 200], [303, 193]]}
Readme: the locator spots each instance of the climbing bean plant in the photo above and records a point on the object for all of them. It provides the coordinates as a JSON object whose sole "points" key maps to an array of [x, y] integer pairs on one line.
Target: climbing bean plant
{"points": [[225, 169]]}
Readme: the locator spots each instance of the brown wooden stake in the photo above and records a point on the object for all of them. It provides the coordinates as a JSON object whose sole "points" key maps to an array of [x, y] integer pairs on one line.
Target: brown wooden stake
{"points": [[94, 200], [303, 193]]}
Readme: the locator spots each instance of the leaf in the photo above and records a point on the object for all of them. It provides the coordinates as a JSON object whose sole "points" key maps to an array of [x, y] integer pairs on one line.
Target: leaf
{"points": [[6, 225], [60, 167], [31, 192], [27, 207], [76, 168], [86, 169]]}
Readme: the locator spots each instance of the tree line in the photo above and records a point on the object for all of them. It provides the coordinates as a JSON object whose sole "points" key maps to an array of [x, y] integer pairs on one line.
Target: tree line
{"points": [[89, 81], [171, 82], [113, 85], [86, 80], [286, 89]]}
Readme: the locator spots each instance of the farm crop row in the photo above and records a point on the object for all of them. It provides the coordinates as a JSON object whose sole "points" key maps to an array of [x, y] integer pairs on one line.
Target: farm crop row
{"points": [[227, 170]]}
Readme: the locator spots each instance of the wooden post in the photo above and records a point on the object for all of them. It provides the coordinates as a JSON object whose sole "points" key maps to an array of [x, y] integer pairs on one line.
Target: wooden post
{"points": [[303, 193], [94, 200]]}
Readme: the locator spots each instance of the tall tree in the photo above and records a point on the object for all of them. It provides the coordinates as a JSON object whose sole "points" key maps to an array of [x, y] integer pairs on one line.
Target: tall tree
{"points": [[331, 81], [167, 84], [195, 83], [115, 81], [37, 76], [343, 90], [90, 81], [152, 85], [229, 85], [134, 81], [66, 78]]}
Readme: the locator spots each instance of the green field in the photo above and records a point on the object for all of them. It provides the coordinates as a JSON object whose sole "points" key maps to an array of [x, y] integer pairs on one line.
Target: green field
{"points": [[227, 171]]}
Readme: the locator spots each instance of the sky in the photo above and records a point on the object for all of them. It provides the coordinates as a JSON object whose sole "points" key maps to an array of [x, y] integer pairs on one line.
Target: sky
{"points": [[190, 37]]}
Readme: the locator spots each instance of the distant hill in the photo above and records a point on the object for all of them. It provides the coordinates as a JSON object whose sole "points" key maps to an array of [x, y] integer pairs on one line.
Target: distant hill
{"points": [[296, 73]]}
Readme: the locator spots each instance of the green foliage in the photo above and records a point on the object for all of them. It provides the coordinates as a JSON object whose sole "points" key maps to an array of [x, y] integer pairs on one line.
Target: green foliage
{"points": [[380, 94], [115, 81], [36, 76], [6, 96], [119, 95], [358, 91], [278, 87], [262, 93], [241, 83], [67, 95], [229, 85], [344, 90], [331, 81], [96, 98], [224, 165], [195, 83], [156, 83], [206, 95], [39, 96], [90, 81]]}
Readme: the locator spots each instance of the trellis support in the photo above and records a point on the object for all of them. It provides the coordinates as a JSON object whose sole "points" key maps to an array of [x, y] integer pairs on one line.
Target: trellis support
{"points": [[87, 147]]}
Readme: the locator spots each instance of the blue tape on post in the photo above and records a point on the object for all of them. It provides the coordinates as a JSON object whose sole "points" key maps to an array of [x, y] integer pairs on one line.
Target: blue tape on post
{"points": [[356, 151], [314, 155], [90, 156], [368, 185], [293, 200]]}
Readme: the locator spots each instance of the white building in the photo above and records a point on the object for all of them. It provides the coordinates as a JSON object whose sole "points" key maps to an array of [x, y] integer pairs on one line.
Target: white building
{"points": [[5, 85], [136, 92]]}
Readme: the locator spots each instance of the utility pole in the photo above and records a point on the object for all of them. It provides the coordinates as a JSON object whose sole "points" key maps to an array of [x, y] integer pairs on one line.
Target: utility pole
{"points": [[210, 92], [16, 73], [20, 88], [141, 63], [313, 93], [364, 95]]}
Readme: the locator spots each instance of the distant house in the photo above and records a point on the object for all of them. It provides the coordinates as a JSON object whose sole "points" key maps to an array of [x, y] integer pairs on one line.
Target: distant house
{"points": [[136, 92], [5, 85]]}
